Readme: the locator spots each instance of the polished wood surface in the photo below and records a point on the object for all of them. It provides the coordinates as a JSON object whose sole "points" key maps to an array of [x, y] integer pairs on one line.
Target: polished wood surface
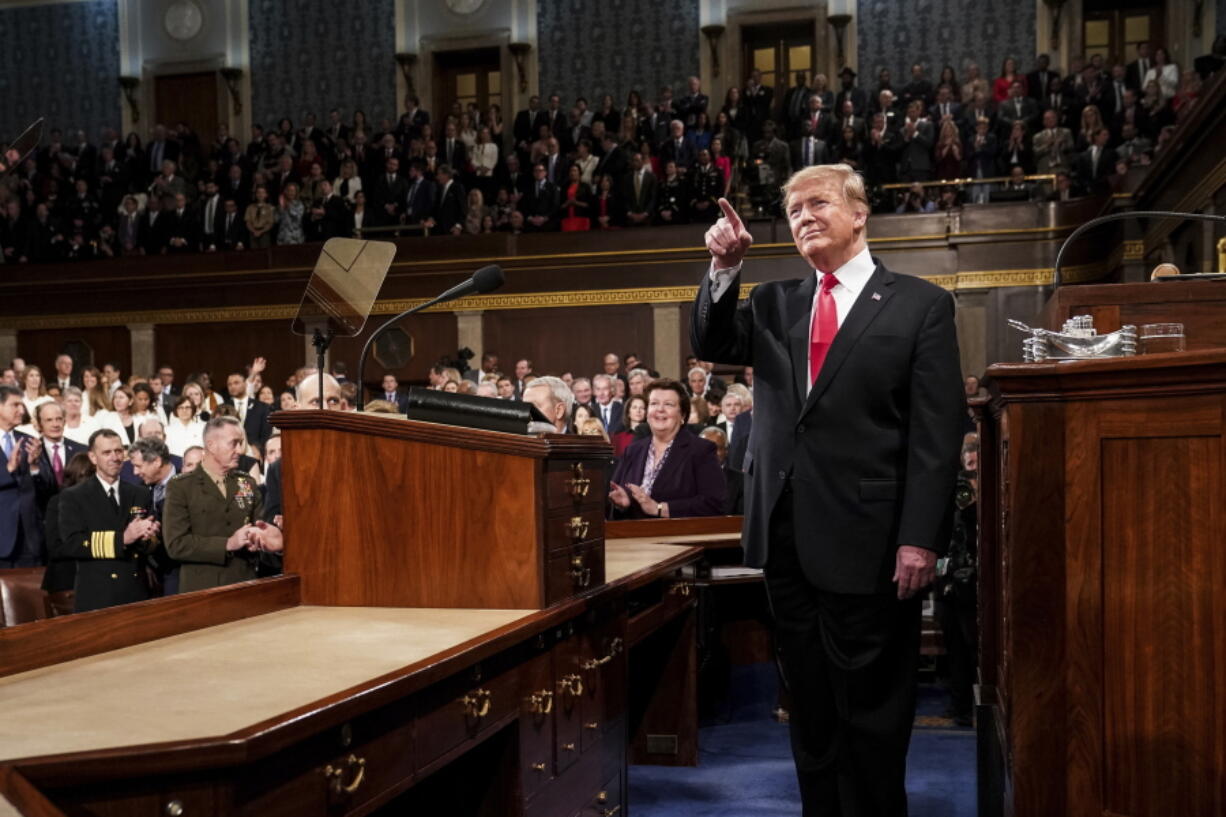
{"points": [[1197, 304], [45, 643], [459, 519], [1100, 673], [661, 530]]}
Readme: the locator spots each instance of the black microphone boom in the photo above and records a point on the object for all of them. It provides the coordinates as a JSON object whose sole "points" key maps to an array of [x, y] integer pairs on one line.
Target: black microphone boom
{"points": [[1057, 278], [486, 279]]}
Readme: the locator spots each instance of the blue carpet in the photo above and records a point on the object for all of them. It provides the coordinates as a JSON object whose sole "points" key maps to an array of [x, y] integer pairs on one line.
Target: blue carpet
{"points": [[745, 762]]}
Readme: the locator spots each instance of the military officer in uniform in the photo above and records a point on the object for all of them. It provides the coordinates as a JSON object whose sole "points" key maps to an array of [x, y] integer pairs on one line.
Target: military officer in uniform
{"points": [[106, 525], [213, 516]]}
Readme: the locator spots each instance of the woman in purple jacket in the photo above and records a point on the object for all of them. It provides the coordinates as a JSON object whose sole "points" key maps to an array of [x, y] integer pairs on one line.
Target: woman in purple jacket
{"points": [[671, 473]]}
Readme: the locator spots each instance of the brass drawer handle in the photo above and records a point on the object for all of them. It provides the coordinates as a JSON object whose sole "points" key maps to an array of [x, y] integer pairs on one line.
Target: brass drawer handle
{"points": [[615, 646], [591, 727], [579, 484], [477, 704], [538, 767], [581, 576], [609, 812], [336, 775], [570, 747], [541, 703], [578, 527], [572, 685]]}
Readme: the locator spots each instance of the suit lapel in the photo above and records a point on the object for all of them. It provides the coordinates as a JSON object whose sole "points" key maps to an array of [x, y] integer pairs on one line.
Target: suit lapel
{"points": [[799, 312], [877, 291]]}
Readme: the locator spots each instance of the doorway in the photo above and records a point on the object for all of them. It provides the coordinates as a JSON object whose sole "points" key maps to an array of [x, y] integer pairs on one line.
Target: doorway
{"points": [[1114, 28], [464, 77], [779, 51], [190, 98]]}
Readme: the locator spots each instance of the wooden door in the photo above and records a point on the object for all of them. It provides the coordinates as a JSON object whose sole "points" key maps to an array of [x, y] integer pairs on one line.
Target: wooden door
{"points": [[1115, 29], [463, 77], [780, 52], [190, 98]]}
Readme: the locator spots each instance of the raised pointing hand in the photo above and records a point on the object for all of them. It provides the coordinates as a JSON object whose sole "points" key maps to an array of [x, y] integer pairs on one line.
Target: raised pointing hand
{"points": [[728, 240]]}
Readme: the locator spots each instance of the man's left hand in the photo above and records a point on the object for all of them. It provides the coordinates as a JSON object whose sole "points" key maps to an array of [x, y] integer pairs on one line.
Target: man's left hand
{"points": [[914, 569]]}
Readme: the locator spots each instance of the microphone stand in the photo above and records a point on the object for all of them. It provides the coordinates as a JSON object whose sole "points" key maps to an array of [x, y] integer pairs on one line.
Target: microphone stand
{"points": [[1094, 222], [446, 296]]}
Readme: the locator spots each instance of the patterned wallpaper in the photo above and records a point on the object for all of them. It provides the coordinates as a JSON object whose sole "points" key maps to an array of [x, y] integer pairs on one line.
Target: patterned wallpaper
{"points": [[60, 62], [589, 49], [315, 55], [895, 33]]}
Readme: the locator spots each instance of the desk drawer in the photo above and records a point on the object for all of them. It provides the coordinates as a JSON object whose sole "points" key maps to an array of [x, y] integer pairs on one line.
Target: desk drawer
{"points": [[573, 571], [574, 527], [462, 709], [574, 483], [340, 771]]}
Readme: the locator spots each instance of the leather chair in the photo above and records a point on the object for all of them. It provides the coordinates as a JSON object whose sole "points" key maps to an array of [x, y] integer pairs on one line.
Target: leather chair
{"points": [[22, 597]]}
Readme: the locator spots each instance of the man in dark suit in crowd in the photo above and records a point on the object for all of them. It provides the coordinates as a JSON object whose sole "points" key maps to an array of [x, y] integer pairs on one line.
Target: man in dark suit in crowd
{"points": [[607, 407], [919, 87], [795, 103], [1038, 79], [758, 101], [154, 467], [392, 394], [390, 191], [232, 229], [849, 91], [809, 149], [693, 103], [850, 477], [1095, 163], [528, 124], [57, 449], [1135, 74], [452, 149], [677, 149], [65, 373], [153, 227], [108, 527], [24, 487], [421, 195], [540, 204], [153, 429], [639, 193], [452, 203], [251, 412], [555, 117], [329, 216]]}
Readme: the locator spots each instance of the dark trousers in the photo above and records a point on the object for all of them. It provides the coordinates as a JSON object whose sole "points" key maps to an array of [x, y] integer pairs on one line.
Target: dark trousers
{"points": [[960, 633], [850, 663]]}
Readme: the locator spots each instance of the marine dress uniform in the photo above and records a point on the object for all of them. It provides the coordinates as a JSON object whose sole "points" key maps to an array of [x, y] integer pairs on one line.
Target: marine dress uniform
{"points": [[200, 515]]}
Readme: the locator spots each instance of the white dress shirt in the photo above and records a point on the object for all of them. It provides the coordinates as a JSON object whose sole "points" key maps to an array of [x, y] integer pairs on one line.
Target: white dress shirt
{"points": [[853, 276]]}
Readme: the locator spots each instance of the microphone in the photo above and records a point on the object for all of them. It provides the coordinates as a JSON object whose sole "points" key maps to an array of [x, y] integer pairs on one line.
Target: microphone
{"points": [[1094, 222], [486, 279]]}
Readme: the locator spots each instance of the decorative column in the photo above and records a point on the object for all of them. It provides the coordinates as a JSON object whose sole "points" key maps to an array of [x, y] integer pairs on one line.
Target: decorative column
{"points": [[8, 345], [470, 332], [666, 350], [142, 339]]}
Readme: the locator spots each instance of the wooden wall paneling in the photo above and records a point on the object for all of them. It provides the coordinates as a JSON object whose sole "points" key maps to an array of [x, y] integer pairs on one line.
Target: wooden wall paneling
{"points": [[109, 343], [434, 336], [574, 340], [220, 348], [1035, 609]]}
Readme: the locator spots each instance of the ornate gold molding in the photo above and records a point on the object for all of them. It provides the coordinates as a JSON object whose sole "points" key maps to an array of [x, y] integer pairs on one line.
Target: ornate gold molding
{"points": [[1133, 250], [980, 279]]}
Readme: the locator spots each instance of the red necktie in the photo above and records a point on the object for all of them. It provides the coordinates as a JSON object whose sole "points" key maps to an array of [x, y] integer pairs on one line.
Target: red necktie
{"points": [[825, 325]]}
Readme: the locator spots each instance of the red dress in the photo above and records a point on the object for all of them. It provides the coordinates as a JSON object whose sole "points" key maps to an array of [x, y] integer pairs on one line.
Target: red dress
{"points": [[1000, 88], [572, 222]]}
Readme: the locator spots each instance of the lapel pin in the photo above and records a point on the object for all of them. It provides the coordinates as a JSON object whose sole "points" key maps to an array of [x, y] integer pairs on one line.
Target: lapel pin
{"points": [[876, 296]]}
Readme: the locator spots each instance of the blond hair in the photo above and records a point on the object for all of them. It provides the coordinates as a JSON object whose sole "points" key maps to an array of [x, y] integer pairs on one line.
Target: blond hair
{"points": [[843, 175]]}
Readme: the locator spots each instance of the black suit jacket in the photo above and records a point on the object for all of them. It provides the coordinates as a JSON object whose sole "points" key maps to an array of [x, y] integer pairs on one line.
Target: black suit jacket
{"points": [[255, 421], [451, 208], [615, 415], [691, 480], [22, 495], [871, 451], [69, 450], [91, 532]]}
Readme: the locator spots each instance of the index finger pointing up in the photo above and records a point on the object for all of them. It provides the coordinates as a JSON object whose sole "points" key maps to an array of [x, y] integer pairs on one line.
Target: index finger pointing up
{"points": [[734, 220]]}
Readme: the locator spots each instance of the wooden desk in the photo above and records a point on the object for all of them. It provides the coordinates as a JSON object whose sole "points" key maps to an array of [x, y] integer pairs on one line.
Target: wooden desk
{"points": [[202, 717]]}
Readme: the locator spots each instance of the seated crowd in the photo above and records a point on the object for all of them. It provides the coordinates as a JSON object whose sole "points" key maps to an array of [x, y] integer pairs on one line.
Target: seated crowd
{"points": [[574, 166], [123, 486]]}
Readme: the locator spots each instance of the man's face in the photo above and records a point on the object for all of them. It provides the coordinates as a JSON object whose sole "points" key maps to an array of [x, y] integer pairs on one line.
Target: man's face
{"points": [[224, 445], [602, 388], [730, 406], [308, 395], [63, 365], [191, 460], [10, 412], [522, 369], [506, 389], [489, 363], [542, 398], [107, 456], [51, 421], [821, 221], [582, 390], [698, 382], [149, 470], [1049, 119], [152, 428], [611, 364], [110, 373], [167, 375], [390, 383], [632, 362], [694, 85], [236, 385], [272, 450]]}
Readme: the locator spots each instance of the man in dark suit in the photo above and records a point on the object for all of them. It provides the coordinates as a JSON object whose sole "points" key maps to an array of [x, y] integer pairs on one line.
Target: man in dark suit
{"points": [[693, 103], [65, 373], [606, 406], [452, 149], [150, 429], [24, 487], [57, 449], [1135, 74], [452, 205], [232, 229], [252, 413], [809, 149], [392, 394], [795, 103], [528, 124], [108, 527], [850, 477], [918, 88], [1038, 79], [421, 196], [153, 466], [677, 149], [540, 204], [153, 227], [849, 92], [758, 100], [1095, 163], [554, 116], [390, 192], [639, 193], [329, 216]]}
